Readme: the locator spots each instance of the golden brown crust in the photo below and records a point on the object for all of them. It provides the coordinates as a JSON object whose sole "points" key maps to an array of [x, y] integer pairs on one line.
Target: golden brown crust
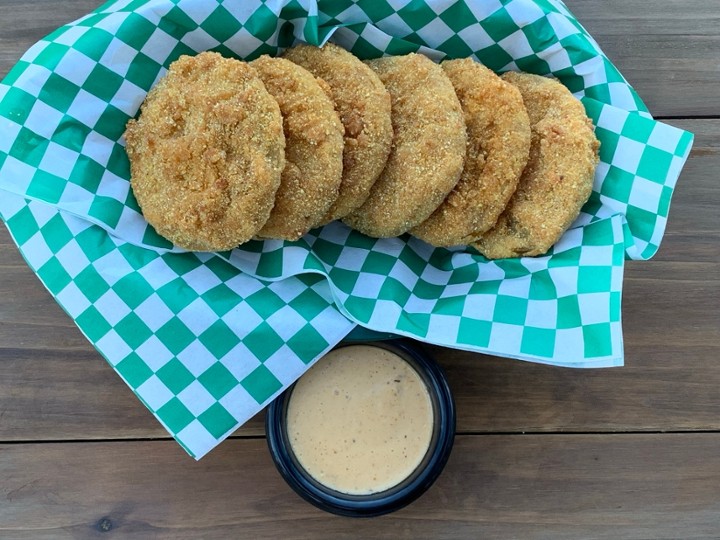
{"points": [[559, 175], [428, 147], [314, 147], [363, 104], [498, 146], [206, 153]]}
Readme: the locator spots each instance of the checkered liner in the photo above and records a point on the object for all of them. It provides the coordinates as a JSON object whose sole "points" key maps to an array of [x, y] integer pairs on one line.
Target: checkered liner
{"points": [[206, 340]]}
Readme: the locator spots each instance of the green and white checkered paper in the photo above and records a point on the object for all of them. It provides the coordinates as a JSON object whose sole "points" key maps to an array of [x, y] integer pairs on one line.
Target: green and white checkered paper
{"points": [[206, 340]]}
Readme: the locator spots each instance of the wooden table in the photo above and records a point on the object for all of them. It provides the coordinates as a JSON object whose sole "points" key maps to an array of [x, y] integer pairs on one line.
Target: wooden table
{"points": [[541, 452]]}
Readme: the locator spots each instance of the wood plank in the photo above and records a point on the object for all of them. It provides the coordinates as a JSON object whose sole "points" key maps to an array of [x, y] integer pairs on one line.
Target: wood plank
{"points": [[531, 487], [647, 17], [54, 386], [668, 51], [693, 231], [65, 390], [58, 395], [24, 23]]}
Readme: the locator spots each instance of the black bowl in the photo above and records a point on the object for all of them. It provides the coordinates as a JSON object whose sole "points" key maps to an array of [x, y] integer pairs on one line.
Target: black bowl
{"points": [[391, 499]]}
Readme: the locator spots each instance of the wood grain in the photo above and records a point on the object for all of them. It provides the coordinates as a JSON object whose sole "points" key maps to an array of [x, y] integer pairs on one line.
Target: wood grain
{"points": [[531, 487], [693, 232], [23, 23], [667, 51], [644, 17]]}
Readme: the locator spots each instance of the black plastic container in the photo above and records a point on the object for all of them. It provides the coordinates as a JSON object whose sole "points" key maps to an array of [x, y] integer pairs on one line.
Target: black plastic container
{"points": [[391, 499]]}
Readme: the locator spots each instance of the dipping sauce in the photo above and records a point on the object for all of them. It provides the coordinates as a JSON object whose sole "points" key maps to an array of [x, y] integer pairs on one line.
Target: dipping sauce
{"points": [[361, 420]]}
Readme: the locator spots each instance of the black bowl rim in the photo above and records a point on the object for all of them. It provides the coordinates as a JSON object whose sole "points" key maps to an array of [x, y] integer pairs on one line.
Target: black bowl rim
{"points": [[398, 496]]}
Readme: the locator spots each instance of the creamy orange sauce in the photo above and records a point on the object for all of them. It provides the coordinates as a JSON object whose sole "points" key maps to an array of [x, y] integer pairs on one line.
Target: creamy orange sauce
{"points": [[360, 421]]}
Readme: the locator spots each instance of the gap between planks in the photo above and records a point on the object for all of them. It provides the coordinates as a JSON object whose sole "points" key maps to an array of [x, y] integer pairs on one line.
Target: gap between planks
{"points": [[458, 434]]}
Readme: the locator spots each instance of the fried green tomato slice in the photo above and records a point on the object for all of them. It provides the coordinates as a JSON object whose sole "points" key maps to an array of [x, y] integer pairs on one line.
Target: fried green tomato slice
{"points": [[498, 130], [206, 153], [363, 104], [558, 178], [313, 153], [428, 149]]}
